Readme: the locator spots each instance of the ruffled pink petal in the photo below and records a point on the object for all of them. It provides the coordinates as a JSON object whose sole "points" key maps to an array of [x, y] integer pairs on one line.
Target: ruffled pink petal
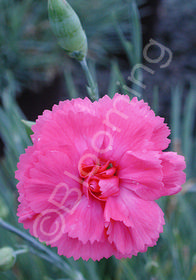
{"points": [[63, 109], [173, 175], [109, 186], [52, 181], [142, 173], [48, 226], [25, 214], [25, 163], [161, 130], [86, 223], [22, 173], [71, 126], [127, 132], [121, 236], [122, 119], [143, 221], [72, 247]]}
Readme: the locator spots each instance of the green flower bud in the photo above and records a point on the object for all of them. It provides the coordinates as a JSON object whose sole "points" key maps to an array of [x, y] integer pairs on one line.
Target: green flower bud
{"points": [[7, 258], [67, 28]]}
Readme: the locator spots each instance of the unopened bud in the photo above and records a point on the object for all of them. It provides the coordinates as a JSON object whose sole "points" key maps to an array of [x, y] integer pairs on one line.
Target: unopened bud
{"points": [[67, 28], [7, 258]]}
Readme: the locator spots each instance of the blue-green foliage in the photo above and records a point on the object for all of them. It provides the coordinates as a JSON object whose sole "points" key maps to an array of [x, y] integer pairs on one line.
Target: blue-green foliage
{"points": [[26, 48]]}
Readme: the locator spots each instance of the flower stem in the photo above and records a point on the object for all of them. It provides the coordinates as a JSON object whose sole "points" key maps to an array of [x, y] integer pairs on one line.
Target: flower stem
{"points": [[93, 88], [46, 253], [21, 251]]}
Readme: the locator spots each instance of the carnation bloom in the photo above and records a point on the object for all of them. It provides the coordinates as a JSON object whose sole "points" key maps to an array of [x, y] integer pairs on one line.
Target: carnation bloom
{"points": [[88, 183]]}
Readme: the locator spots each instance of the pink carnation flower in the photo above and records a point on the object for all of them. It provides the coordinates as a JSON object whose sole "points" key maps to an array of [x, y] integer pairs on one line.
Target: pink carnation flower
{"points": [[88, 183]]}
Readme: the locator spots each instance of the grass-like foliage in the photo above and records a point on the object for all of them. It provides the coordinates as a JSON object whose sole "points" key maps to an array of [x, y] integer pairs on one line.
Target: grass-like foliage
{"points": [[26, 48]]}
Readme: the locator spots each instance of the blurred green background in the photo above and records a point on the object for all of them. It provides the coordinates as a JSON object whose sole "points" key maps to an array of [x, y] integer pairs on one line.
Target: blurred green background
{"points": [[35, 73]]}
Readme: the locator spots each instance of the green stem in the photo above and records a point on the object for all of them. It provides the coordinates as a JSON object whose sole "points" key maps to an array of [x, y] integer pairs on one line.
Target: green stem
{"points": [[93, 92], [46, 253], [21, 251]]}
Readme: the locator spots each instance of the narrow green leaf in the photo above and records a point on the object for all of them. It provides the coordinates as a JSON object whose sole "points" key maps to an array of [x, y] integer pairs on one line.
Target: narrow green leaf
{"points": [[28, 125]]}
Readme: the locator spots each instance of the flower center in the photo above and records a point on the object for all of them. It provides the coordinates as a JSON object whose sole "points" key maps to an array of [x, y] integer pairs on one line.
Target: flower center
{"points": [[99, 177]]}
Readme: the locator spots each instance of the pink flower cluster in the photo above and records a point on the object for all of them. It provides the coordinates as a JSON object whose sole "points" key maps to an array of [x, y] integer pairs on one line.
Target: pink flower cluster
{"points": [[88, 183]]}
